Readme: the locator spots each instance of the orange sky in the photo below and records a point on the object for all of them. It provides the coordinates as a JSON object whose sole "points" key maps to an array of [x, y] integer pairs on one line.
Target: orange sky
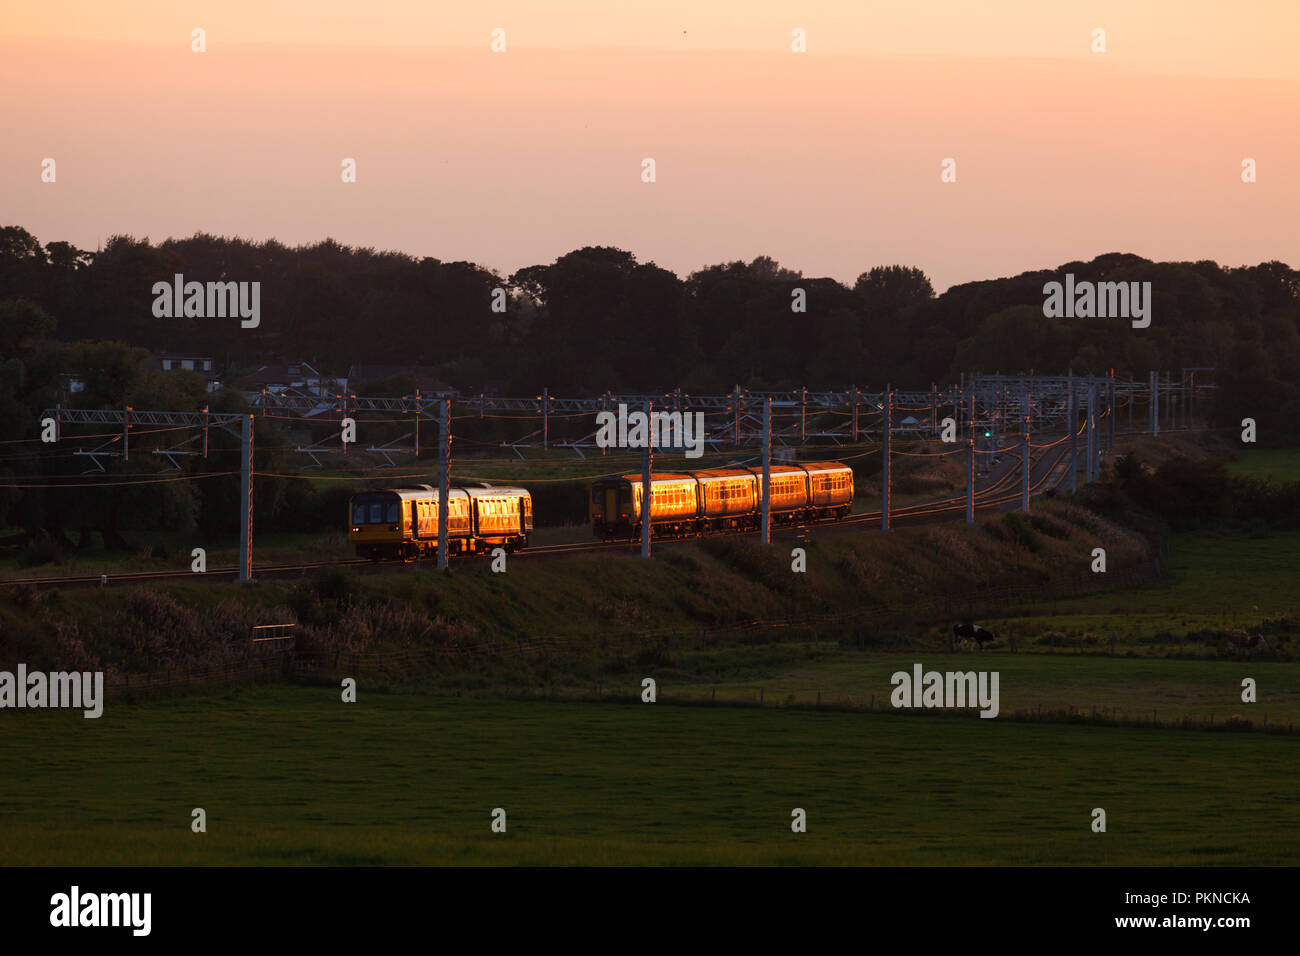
{"points": [[828, 161]]}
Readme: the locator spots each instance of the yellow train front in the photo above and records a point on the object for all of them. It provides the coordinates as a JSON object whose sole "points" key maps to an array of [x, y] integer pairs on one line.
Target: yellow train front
{"points": [[722, 499], [402, 523]]}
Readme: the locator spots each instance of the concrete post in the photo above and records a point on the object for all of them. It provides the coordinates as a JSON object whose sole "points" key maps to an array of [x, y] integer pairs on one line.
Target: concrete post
{"points": [[1025, 468], [887, 429], [246, 487], [444, 482], [647, 478], [766, 532]]}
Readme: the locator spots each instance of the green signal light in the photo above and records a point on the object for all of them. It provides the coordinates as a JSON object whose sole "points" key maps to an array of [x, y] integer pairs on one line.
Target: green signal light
{"points": [[988, 434]]}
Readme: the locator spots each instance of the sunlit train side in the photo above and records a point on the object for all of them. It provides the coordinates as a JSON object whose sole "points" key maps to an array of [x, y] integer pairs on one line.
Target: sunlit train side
{"points": [[403, 522], [698, 502]]}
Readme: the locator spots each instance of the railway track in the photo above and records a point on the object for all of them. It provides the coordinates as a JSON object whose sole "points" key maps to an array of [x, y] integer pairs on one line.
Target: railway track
{"points": [[1004, 489]]}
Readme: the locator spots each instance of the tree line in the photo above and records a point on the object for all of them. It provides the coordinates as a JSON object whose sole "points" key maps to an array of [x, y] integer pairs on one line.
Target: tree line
{"points": [[595, 319]]}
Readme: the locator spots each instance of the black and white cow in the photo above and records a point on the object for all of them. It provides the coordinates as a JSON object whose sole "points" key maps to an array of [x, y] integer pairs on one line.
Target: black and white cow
{"points": [[1243, 642], [972, 632]]}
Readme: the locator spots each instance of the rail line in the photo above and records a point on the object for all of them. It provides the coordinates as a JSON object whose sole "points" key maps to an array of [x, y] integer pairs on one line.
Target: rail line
{"points": [[1052, 467]]}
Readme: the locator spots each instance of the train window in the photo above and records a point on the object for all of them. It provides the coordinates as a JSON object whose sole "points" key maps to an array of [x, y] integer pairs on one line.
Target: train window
{"points": [[358, 514]]}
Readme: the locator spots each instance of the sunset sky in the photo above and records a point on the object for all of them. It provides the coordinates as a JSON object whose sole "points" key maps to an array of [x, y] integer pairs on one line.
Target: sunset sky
{"points": [[829, 160]]}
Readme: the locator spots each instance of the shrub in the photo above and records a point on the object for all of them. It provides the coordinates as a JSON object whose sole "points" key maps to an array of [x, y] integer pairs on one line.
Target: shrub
{"points": [[1021, 532], [42, 549], [334, 586]]}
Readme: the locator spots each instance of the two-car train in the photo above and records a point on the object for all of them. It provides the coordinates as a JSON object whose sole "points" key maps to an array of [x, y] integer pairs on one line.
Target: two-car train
{"points": [[402, 523]]}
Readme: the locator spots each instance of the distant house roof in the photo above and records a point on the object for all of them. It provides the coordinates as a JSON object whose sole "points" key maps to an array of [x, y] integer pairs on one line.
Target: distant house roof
{"points": [[297, 374], [176, 361], [360, 375]]}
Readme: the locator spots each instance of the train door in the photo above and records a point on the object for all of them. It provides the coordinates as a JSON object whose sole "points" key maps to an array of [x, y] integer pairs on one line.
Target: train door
{"points": [[611, 504]]}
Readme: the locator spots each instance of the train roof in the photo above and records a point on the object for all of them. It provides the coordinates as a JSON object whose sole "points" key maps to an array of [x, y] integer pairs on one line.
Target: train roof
{"points": [[715, 473], [423, 492], [658, 476], [718, 473]]}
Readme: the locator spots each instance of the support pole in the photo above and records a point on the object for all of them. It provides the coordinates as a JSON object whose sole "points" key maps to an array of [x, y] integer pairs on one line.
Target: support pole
{"points": [[970, 472], [854, 400], [1092, 431], [546, 418], [735, 435], [647, 479], [959, 407], [417, 424], [126, 434], [961, 395], [1155, 403], [1074, 439], [205, 431], [887, 429], [444, 482], [766, 531], [934, 411], [1110, 413], [1025, 467], [343, 407], [803, 415], [1073, 424], [246, 509]]}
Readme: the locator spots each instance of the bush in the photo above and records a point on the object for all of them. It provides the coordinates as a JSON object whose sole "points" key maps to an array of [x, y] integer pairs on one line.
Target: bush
{"points": [[1021, 532], [334, 586], [42, 549]]}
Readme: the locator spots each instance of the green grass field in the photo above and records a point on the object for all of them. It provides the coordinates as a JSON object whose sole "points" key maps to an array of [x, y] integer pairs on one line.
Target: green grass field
{"points": [[1119, 688], [1278, 464], [294, 776], [1212, 582]]}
